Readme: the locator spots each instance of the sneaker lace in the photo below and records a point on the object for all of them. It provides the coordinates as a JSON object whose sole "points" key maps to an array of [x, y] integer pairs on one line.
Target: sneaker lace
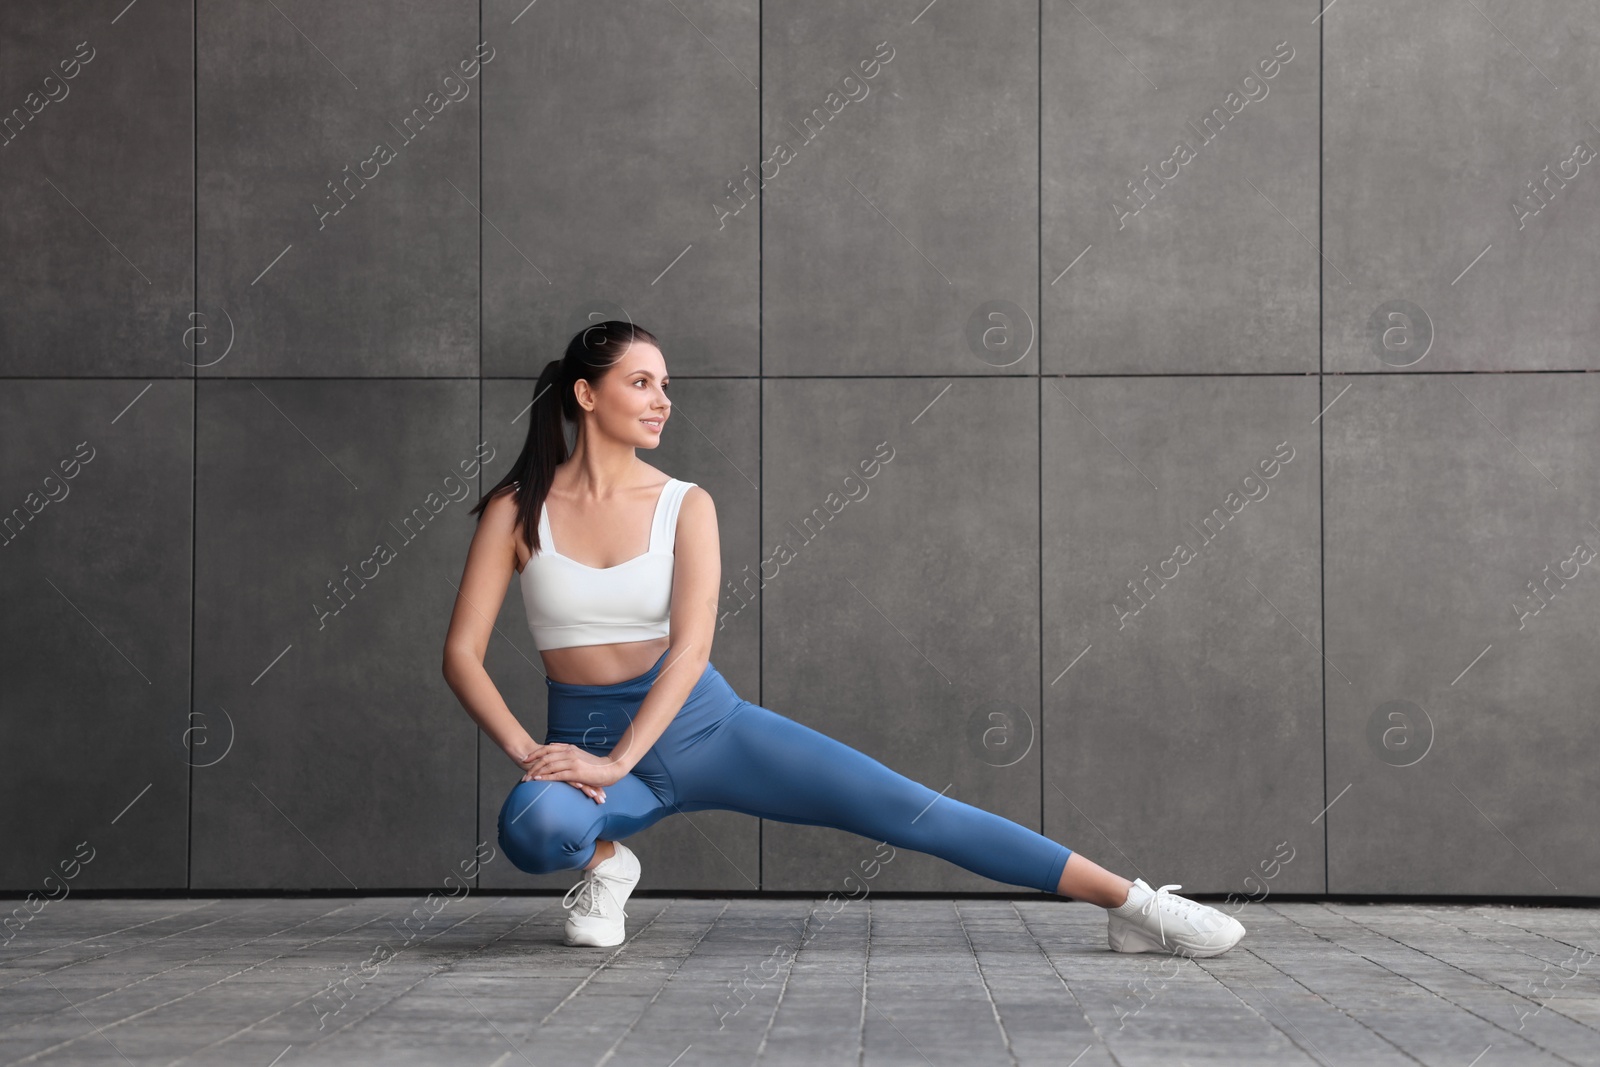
{"points": [[1161, 902], [584, 897]]}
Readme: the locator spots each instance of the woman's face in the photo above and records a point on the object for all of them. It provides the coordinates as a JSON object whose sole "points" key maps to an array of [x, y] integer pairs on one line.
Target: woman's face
{"points": [[631, 404]]}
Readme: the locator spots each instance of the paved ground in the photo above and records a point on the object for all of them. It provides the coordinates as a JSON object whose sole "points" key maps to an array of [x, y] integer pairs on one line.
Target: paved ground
{"points": [[485, 980]]}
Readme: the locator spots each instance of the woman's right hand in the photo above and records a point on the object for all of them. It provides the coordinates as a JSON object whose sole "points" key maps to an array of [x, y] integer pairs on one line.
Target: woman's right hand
{"points": [[525, 761]]}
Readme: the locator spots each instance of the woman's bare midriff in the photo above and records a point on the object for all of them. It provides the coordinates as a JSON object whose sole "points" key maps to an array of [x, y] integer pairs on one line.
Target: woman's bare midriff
{"points": [[603, 664], [597, 664]]}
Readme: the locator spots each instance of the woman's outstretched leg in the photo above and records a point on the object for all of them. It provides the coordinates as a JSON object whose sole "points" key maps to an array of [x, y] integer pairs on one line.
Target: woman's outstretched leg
{"points": [[765, 764], [1084, 879]]}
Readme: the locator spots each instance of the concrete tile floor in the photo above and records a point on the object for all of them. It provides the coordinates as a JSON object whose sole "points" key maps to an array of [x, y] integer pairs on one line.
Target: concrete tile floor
{"points": [[485, 980]]}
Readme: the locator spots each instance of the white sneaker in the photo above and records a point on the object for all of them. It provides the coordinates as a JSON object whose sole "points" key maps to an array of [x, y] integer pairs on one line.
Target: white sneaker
{"points": [[1154, 920], [595, 904]]}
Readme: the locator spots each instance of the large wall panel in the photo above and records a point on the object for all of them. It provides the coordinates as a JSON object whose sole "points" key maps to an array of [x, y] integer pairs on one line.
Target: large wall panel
{"points": [[95, 545], [1182, 622], [338, 174], [1459, 208], [899, 215], [96, 188], [1461, 511], [1179, 187], [332, 523], [610, 133]]}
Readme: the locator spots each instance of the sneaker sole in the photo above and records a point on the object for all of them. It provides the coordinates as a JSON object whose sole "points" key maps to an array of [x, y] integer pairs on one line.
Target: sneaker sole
{"points": [[595, 939], [1135, 940]]}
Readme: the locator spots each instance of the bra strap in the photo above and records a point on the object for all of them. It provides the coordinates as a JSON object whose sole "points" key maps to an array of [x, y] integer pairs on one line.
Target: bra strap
{"points": [[544, 530], [658, 521], [664, 537]]}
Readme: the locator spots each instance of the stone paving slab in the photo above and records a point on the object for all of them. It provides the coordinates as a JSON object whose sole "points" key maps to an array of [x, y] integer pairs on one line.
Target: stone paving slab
{"points": [[710, 981]]}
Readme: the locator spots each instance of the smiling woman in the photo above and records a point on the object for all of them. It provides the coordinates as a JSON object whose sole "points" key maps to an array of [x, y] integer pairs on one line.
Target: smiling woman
{"points": [[641, 725]]}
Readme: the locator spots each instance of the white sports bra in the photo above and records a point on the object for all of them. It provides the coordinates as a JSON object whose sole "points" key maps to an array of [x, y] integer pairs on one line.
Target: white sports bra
{"points": [[571, 603]]}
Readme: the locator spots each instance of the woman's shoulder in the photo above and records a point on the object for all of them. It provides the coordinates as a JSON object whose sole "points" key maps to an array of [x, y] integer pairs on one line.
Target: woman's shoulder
{"points": [[502, 515], [503, 500], [693, 498]]}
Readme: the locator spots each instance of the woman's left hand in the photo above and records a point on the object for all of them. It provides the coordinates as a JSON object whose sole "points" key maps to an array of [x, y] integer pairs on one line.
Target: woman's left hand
{"points": [[567, 763]]}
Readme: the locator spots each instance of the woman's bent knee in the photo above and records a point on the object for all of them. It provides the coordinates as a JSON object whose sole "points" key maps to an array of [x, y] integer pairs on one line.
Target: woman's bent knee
{"points": [[541, 831]]}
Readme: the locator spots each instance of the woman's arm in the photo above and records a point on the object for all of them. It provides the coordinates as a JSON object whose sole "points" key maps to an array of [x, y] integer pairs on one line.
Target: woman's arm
{"points": [[696, 578], [491, 561]]}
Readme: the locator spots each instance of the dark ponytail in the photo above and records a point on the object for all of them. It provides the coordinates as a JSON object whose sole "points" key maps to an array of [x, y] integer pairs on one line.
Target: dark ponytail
{"points": [[591, 353]]}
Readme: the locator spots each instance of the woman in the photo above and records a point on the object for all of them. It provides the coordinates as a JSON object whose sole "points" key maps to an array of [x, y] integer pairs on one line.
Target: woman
{"points": [[620, 568]]}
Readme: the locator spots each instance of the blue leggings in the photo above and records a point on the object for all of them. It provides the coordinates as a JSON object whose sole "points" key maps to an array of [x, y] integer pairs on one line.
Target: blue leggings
{"points": [[723, 752]]}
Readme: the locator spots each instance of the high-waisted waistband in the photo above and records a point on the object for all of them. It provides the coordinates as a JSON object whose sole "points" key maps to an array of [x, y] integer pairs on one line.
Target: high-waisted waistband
{"points": [[596, 715], [626, 687]]}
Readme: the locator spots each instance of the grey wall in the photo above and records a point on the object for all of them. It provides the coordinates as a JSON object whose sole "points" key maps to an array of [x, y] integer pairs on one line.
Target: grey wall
{"points": [[1220, 488]]}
